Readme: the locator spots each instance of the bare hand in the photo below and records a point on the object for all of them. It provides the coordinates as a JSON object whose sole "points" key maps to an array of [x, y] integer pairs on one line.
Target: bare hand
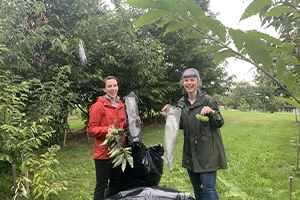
{"points": [[207, 110], [164, 109]]}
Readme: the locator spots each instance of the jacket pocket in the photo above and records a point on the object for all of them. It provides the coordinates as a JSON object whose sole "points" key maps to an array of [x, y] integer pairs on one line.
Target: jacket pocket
{"points": [[205, 136]]}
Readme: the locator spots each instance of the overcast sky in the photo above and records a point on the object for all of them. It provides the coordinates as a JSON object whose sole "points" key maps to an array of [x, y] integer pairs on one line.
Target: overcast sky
{"points": [[230, 14]]}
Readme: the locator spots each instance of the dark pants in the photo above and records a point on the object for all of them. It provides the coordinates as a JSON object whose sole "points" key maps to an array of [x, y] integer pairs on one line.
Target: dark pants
{"points": [[204, 185], [105, 172]]}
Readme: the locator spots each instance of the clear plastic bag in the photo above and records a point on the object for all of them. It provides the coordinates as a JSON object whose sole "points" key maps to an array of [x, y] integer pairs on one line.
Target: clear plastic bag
{"points": [[134, 128], [81, 54], [172, 115]]}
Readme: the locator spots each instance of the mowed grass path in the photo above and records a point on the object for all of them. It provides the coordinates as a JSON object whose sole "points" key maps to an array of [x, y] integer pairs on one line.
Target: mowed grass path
{"points": [[261, 151]]}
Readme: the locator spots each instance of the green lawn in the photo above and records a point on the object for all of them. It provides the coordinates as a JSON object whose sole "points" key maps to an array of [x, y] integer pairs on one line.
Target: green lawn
{"points": [[261, 150], [75, 123]]}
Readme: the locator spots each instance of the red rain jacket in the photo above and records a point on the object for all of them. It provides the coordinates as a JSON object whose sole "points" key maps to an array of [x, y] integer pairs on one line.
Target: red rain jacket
{"points": [[102, 115]]}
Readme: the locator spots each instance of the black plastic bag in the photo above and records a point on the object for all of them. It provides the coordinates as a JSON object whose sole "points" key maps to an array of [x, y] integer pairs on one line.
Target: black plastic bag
{"points": [[150, 193], [147, 168], [153, 163]]}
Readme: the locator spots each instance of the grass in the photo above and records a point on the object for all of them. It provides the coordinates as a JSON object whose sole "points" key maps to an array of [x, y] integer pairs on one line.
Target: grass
{"points": [[75, 123], [261, 150]]}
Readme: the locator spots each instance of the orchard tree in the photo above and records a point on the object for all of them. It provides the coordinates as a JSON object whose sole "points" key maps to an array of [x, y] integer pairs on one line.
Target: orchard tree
{"points": [[42, 37], [180, 54], [274, 57], [244, 93]]}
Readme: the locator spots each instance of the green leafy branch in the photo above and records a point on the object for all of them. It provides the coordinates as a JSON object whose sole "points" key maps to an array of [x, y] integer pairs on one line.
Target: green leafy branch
{"points": [[272, 56], [44, 181], [118, 154]]}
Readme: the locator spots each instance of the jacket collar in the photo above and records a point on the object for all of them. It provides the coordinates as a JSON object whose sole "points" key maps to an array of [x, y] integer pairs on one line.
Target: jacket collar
{"points": [[106, 101], [199, 98]]}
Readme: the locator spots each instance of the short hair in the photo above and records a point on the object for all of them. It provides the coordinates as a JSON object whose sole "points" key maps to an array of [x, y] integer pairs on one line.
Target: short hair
{"points": [[108, 78], [191, 72]]}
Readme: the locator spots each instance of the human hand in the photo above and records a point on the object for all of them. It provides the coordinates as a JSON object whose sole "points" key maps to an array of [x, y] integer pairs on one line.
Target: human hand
{"points": [[164, 109], [207, 110]]}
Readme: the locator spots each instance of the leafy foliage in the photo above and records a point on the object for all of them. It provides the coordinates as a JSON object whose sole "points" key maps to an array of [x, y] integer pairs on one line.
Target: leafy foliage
{"points": [[44, 177], [265, 52], [118, 154], [17, 135]]}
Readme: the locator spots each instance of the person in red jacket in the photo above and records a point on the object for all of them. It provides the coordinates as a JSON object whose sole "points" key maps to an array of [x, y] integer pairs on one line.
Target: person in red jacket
{"points": [[102, 115]]}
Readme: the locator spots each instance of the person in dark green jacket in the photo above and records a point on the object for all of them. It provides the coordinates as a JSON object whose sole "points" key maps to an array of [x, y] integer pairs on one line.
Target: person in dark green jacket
{"points": [[203, 150]]}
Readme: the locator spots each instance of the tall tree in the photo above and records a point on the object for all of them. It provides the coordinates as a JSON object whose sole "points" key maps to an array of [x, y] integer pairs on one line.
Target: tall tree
{"points": [[42, 45], [180, 53]]}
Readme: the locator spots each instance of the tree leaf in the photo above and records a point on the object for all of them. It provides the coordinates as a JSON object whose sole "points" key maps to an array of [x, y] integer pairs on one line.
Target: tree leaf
{"points": [[124, 164], [130, 160], [146, 4], [163, 22], [175, 26], [254, 8], [287, 47], [292, 102], [213, 47], [271, 48], [267, 37], [281, 68], [3, 48], [195, 35], [264, 58], [238, 37], [216, 27], [150, 17], [289, 80], [274, 54], [292, 59], [223, 55], [178, 7], [279, 10], [252, 44], [196, 12]]}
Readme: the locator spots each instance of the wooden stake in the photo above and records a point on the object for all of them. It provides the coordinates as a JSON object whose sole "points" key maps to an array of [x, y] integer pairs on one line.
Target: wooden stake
{"points": [[27, 183], [65, 136], [298, 157], [299, 135], [291, 180], [65, 130], [14, 171]]}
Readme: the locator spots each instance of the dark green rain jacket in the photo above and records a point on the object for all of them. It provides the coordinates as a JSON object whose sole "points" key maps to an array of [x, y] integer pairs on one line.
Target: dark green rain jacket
{"points": [[203, 149]]}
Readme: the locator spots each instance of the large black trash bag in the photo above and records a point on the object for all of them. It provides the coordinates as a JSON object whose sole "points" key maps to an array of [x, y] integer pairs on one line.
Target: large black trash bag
{"points": [[153, 163], [150, 193], [134, 128], [147, 167]]}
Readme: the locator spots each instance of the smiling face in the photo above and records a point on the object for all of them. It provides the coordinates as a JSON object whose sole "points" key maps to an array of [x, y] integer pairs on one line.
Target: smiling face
{"points": [[191, 84], [111, 88]]}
